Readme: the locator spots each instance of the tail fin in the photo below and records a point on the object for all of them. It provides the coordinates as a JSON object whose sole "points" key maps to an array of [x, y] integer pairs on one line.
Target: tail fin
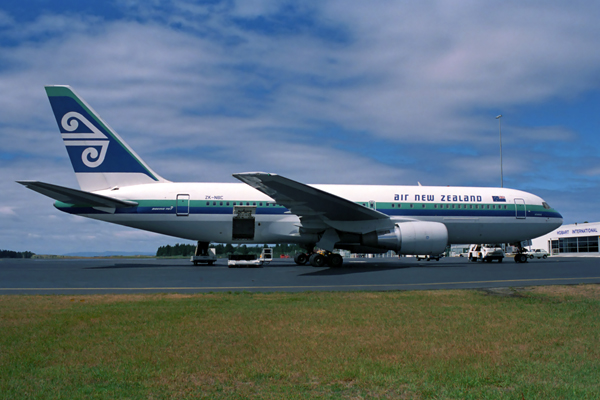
{"points": [[100, 158]]}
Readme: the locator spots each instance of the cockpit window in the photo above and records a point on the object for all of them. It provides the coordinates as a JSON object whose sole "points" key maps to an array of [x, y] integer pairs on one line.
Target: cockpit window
{"points": [[546, 206]]}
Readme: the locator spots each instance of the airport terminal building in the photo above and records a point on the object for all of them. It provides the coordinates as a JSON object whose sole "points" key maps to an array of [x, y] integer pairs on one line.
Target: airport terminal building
{"points": [[571, 240]]}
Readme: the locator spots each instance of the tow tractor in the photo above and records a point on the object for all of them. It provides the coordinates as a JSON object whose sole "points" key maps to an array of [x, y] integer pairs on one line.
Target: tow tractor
{"points": [[250, 260], [486, 252]]}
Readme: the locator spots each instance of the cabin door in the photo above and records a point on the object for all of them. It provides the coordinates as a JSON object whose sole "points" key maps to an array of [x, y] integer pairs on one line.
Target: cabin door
{"points": [[182, 205], [520, 209]]}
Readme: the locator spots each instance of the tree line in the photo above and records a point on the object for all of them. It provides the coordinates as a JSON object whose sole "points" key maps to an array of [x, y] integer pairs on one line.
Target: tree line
{"points": [[224, 250], [16, 254]]}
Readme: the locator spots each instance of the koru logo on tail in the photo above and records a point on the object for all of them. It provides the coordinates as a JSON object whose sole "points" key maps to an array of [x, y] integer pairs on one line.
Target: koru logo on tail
{"points": [[89, 156]]}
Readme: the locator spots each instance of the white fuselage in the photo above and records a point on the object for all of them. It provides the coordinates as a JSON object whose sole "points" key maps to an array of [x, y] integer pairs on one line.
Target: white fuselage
{"points": [[205, 211]]}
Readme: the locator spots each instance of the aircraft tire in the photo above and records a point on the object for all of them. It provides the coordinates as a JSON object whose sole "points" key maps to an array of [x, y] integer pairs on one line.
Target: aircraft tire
{"points": [[335, 261], [317, 260], [521, 258], [300, 258]]}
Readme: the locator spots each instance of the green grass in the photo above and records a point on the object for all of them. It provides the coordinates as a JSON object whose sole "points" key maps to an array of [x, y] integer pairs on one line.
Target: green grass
{"points": [[409, 345]]}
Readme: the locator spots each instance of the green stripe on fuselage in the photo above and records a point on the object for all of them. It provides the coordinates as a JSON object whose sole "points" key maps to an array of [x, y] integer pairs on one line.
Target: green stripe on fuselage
{"points": [[383, 206]]}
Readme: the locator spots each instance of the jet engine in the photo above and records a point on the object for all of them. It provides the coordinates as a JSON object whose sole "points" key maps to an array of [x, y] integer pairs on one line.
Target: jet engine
{"points": [[418, 237]]}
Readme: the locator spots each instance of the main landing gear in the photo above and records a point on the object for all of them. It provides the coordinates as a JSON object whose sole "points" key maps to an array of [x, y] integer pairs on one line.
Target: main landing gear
{"points": [[319, 259]]}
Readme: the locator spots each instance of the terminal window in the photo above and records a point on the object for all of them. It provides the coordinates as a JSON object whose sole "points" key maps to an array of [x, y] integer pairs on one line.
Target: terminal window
{"points": [[586, 244]]}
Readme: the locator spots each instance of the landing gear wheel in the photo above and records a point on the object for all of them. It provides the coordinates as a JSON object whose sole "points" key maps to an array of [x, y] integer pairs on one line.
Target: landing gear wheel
{"points": [[521, 258], [300, 258], [317, 260], [335, 261]]}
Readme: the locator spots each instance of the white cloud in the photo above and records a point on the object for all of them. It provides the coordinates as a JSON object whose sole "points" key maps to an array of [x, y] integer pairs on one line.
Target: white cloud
{"points": [[7, 210]]}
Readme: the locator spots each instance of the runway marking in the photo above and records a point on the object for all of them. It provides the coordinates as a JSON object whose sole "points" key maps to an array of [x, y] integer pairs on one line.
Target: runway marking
{"points": [[307, 286]]}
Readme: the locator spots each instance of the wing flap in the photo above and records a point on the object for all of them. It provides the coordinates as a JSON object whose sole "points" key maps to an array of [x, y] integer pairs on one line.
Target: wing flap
{"points": [[74, 196]]}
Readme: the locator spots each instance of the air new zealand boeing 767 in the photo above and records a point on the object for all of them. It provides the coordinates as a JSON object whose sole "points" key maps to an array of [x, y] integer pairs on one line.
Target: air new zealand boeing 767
{"points": [[117, 186]]}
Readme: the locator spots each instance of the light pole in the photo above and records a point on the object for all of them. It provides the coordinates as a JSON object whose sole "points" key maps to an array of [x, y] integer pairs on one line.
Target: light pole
{"points": [[500, 129]]}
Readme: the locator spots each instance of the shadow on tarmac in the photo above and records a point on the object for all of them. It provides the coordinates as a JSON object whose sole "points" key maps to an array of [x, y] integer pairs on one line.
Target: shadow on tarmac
{"points": [[140, 266], [385, 266]]}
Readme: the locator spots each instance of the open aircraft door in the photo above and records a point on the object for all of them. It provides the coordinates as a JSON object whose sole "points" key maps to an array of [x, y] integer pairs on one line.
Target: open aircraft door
{"points": [[243, 222], [520, 209]]}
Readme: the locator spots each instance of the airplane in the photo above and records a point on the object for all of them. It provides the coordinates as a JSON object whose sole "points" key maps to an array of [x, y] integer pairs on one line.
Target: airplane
{"points": [[117, 186]]}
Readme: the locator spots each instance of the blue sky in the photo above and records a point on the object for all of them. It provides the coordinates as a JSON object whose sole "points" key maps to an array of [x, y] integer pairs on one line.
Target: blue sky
{"points": [[321, 92]]}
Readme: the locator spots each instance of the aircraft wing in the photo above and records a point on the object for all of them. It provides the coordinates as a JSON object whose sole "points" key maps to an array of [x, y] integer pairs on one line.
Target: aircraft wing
{"points": [[74, 196], [315, 205]]}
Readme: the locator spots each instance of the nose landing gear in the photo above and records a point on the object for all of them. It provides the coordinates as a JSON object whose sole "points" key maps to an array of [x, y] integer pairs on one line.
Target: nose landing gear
{"points": [[520, 257]]}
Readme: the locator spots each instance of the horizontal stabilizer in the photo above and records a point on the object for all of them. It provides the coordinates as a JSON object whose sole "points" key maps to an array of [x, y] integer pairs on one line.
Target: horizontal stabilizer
{"points": [[73, 196]]}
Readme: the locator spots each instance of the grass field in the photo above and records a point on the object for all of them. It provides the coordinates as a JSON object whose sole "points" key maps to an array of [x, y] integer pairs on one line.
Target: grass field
{"points": [[539, 343]]}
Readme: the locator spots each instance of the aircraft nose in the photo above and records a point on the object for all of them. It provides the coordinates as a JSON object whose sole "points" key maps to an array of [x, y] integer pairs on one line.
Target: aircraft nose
{"points": [[557, 221]]}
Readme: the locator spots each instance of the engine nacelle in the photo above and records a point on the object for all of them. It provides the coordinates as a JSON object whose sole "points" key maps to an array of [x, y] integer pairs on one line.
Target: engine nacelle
{"points": [[418, 237]]}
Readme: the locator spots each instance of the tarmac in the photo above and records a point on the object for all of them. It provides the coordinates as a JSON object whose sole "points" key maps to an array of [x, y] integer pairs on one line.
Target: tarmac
{"points": [[102, 276]]}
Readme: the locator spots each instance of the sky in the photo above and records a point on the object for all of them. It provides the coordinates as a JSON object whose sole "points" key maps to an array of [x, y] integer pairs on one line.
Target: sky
{"points": [[328, 91]]}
